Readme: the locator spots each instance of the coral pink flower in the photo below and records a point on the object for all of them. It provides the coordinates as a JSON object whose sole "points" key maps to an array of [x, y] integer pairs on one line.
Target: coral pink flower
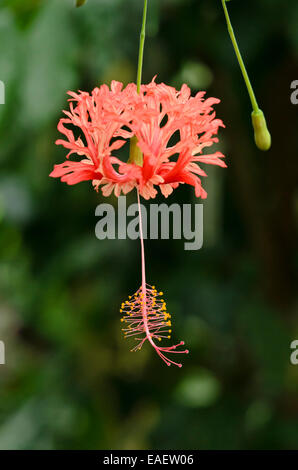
{"points": [[171, 130], [171, 127]]}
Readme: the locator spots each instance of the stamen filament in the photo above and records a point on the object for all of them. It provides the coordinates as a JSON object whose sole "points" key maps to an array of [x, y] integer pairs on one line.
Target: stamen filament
{"points": [[146, 314]]}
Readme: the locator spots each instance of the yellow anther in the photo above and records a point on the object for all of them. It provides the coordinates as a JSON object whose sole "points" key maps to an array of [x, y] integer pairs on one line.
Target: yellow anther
{"points": [[161, 293], [169, 337], [159, 339]]}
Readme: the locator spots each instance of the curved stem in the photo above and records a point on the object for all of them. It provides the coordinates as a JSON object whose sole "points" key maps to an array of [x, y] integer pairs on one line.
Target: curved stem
{"points": [[239, 57], [141, 47]]}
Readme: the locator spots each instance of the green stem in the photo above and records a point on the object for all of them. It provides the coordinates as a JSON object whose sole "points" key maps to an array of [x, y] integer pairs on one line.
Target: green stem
{"points": [[135, 154], [141, 48], [239, 57]]}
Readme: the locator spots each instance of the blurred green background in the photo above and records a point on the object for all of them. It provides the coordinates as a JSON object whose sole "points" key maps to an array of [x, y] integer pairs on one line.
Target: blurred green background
{"points": [[70, 381]]}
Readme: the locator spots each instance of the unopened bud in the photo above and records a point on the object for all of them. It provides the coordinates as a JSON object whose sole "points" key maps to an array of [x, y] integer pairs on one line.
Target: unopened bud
{"points": [[262, 135], [135, 154], [80, 3]]}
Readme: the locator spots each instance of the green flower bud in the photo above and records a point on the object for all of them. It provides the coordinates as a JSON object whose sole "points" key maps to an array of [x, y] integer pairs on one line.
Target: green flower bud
{"points": [[262, 135], [135, 154], [80, 3]]}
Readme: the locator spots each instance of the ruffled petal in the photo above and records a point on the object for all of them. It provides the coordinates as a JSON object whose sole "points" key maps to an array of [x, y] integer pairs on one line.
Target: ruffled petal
{"points": [[74, 172]]}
